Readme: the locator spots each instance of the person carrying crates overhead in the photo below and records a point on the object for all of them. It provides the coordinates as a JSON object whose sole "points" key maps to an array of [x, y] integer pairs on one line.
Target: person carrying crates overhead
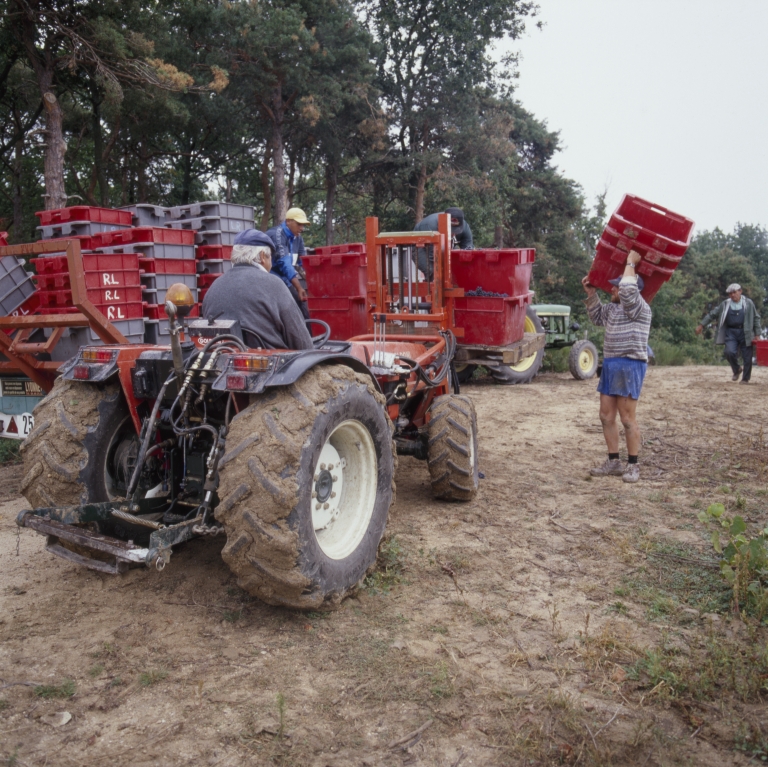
{"points": [[738, 325], [289, 243], [627, 323], [461, 236]]}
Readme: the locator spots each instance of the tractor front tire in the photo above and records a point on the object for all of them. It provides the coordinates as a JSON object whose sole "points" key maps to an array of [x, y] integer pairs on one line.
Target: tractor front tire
{"points": [[306, 486], [68, 458], [525, 370], [583, 360], [452, 448]]}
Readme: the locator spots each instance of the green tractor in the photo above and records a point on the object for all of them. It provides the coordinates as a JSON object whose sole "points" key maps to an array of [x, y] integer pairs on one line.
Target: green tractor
{"points": [[583, 360]]}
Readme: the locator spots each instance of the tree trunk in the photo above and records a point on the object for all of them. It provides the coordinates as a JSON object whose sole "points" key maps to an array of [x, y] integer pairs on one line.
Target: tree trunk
{"points": [[421, 185], [99, 177], [278, 154], [266, 189], [498, 237], [55, 148], [331, 180], [291, 181], [186, 188], [228, 194], [18, 199]]}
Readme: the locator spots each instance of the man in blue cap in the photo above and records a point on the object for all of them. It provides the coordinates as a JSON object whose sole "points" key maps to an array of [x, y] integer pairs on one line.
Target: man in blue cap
{"points": [[258, 300], [627, 323], [289, 248]]}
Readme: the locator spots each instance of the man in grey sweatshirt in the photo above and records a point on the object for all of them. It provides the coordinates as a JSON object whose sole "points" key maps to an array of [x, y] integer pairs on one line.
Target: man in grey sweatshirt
{"points": [[259, 300]]}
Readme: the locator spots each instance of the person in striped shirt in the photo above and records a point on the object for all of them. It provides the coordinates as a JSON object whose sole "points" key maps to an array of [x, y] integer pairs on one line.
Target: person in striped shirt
{"points": [[627, 323]]}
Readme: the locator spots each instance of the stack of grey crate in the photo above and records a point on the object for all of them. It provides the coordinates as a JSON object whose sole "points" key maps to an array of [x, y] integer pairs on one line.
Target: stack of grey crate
{"points": [[16, 284]]}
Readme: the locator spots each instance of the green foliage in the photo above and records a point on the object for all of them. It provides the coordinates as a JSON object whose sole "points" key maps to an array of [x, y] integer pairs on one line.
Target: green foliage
{"points": [[390, 567], [148, 678], [64, 690], [743, 558], [9, 450]]}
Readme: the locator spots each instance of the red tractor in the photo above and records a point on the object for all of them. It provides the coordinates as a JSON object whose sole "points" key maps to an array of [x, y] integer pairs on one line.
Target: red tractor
{"points": [[290, 454]]}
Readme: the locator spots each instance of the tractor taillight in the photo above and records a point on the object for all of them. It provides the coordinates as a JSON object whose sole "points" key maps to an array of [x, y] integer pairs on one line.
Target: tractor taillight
{"points": [[97, 355], [250, 363], [238, 382], [83, 372]]}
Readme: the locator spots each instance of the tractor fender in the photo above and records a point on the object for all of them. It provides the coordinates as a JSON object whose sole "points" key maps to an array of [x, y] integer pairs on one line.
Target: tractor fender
{"points": [[297, 366]]}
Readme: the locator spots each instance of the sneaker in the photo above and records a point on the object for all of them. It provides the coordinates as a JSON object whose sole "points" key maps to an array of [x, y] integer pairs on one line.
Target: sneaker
{"points": [[736, 375], [608, 469], [631, 473], [745, 380]]}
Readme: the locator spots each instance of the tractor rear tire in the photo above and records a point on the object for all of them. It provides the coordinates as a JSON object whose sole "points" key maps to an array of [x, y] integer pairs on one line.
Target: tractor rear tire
{"points": [[583, 360], [68, 458], [525, 370], [452, 448], [306, 486]]}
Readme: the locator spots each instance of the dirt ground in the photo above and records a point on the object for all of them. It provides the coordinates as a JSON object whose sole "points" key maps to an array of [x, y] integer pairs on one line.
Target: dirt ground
{"points": [[556, 619]]}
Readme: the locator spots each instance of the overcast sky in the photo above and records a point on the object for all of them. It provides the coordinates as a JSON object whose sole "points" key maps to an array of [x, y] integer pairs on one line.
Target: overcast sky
{"points": [[665, 99]]}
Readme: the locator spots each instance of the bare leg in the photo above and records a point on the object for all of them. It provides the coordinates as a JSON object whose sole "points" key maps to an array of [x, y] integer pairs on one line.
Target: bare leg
{"points": [[627, 407], [608, 410]]}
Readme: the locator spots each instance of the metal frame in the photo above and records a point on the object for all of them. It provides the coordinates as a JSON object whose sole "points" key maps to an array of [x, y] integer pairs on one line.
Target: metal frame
{"points": [[21, 353]]}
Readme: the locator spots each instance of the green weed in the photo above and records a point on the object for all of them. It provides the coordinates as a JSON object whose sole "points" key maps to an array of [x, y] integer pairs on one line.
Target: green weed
{"points": [[148, 678], [65, 690], [95, 671], [4, 704], [9, 450], [390, 567], [232, 616]]}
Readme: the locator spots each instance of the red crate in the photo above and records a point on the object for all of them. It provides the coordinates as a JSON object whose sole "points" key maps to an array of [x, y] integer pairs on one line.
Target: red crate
{"points": [[502, 271], [56, 281], [143, 234], [107, 279], [85, 213], [624, 244], [107, 296], [345, 316], [154, 312], [3, 238], [653, 226], [167, 266], [85, 241], [491, 321], [30, 306], [333, 250], [610, 262], [342, 274], [92, 262], [761, 351], [206, 280], [214, 252]]}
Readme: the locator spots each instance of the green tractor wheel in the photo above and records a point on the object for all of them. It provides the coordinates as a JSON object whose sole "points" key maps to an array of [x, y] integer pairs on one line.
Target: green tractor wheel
{"points": [[527, 368], [583, 360], [465, 372]]}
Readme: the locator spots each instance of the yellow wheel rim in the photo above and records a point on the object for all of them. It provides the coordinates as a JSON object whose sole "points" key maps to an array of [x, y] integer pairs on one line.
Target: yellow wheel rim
{"points": [[526, 362], [460, 367], [586, 360]]}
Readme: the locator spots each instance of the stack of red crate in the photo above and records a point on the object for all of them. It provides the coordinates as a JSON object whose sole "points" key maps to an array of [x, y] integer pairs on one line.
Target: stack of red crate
{"points": [[212, 262], [165, 257], [337, 277], [660, 236], [492, 320]]}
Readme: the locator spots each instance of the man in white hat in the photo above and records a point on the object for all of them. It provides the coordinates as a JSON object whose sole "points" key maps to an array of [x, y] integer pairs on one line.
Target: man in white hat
{"points": [[289, 248], [738, 326]]}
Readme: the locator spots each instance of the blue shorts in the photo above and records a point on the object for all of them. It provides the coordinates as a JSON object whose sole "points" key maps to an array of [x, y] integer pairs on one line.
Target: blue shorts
{"points": [[622, 377]]}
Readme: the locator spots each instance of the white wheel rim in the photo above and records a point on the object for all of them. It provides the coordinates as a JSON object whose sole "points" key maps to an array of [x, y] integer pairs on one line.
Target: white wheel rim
{"points": [[344, 489]]}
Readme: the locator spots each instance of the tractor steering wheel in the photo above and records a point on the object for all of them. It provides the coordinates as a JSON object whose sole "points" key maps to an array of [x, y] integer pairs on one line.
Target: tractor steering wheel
{"points": [[318, 341]]}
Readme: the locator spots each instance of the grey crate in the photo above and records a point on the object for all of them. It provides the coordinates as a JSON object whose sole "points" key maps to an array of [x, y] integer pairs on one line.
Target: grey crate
{"points": [[164, 281], [215, 237], [74, 338], [148, 281], [72, 228], [151, 331], [211, 224], [214, 208], [149, 295], [154, 250], [213, 266], [148, 215], [16, 284]]}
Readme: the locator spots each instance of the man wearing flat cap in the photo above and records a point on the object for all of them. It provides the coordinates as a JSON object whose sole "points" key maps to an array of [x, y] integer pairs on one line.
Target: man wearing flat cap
{"points": [[258, 300], [461, 235], [627, 323], [289, 248], [737, 327]]}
